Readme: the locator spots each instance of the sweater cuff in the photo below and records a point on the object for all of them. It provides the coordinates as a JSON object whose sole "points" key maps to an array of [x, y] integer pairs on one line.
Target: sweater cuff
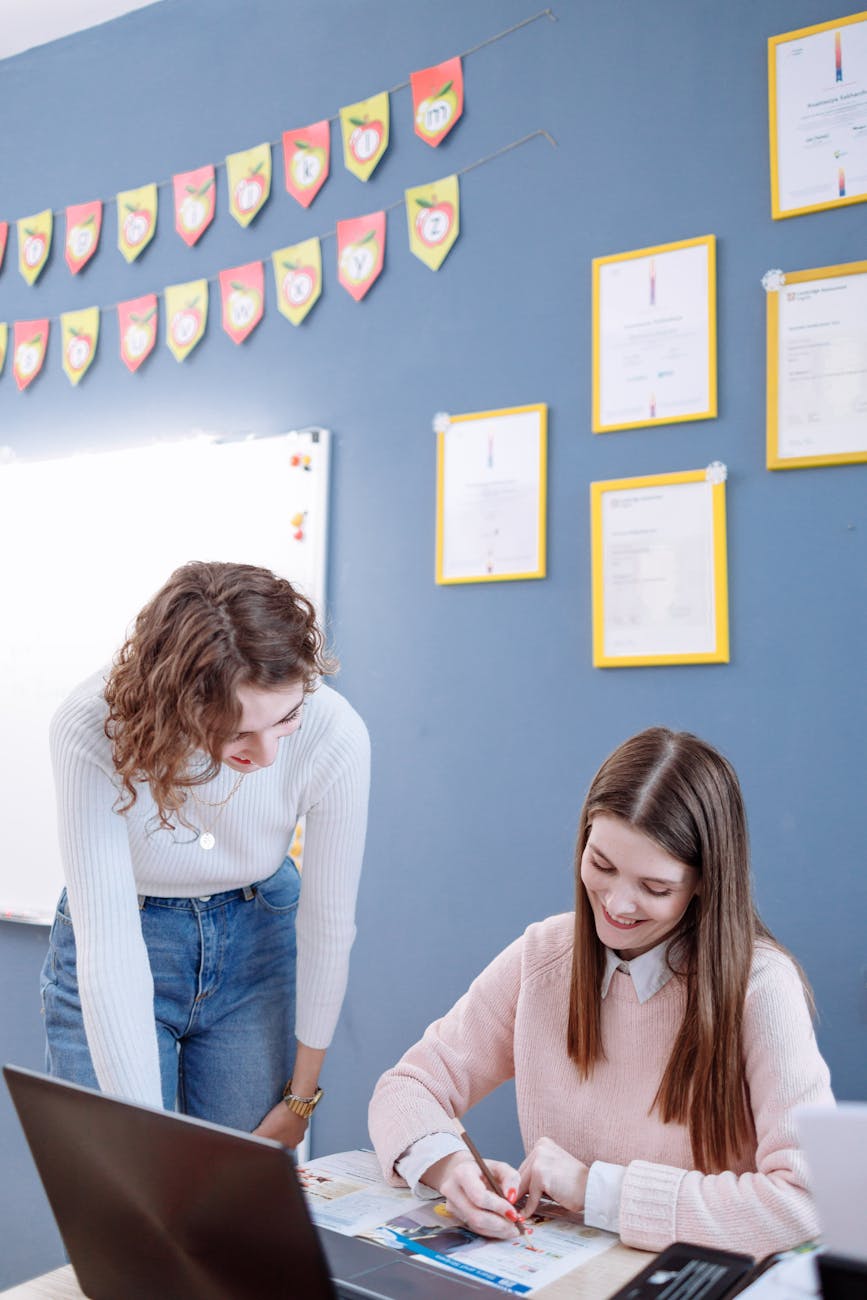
{"points": [[418, 1158], [648, 1205], [602, 1198]]}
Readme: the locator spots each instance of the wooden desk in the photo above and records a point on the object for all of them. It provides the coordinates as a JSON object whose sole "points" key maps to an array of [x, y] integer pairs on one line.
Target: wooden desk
{"points": [[600, 1277]]}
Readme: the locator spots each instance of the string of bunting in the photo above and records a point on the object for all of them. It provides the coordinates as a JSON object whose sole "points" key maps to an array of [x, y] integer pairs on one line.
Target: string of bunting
{"points": [[433, 220]]}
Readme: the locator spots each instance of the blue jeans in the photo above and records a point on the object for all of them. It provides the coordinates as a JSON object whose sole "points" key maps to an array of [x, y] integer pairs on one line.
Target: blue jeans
{"points": [[224, 998]]}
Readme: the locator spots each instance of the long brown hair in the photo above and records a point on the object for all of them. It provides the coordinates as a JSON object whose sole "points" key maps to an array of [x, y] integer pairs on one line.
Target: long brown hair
{"points": [[682, 794], [172, 690]]}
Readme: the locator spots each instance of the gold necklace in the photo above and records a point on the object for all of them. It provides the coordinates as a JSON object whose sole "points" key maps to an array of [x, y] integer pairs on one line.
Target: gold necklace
{"points": [[206, 838]]}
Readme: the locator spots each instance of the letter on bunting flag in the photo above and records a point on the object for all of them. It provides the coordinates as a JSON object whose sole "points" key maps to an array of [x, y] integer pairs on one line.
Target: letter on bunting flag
{"points": [[34, 244], [298, 278], [137, 326], [242, 290], [433, 214], [306, 158], [80, 333], [437, 99], [136, 220], [30, 339], [360, 251], [83, 225], [365, 134], [249, 178], [186, 316], [195, 201]]}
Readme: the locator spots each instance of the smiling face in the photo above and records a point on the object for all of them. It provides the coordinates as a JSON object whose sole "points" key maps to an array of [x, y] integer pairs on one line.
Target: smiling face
{"points": [[637, 891], [267, 715]]}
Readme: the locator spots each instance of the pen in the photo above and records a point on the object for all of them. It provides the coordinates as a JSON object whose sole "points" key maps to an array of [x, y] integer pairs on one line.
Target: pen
{"points": [[486, 1173]]}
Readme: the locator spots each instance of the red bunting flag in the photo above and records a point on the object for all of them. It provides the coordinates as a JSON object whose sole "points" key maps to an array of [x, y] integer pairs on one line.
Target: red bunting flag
{"points": [[360, 252], [30, 343], [4, 235], [437, 99], [195, 201], [306, 157], [137, 325], [242, 290], [83, 225]]}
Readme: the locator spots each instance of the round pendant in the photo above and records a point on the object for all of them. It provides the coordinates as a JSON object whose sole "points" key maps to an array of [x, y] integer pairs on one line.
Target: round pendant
{"points": [[206, 840]]}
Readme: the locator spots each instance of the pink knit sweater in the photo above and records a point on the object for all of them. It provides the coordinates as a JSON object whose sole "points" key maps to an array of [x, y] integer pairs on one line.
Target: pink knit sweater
{"points": [[512, 1022]]}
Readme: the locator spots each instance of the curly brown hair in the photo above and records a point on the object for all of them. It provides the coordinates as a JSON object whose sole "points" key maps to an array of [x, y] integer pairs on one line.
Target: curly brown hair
{"points": [[173, 686]]}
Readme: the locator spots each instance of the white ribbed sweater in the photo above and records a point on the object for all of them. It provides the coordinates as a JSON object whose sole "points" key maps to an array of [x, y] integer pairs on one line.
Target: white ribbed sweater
{"points": [[322, 771], [512, 1023]]}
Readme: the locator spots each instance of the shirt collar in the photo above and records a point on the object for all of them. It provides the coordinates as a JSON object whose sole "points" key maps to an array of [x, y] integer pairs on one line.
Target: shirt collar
{"points": [[650, 972]]}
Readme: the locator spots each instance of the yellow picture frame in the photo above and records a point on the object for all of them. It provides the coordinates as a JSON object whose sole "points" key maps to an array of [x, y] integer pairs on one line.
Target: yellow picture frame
{"points": [[604, 657], [774, 42], [774, 458], [598, 423], [488, 425]]}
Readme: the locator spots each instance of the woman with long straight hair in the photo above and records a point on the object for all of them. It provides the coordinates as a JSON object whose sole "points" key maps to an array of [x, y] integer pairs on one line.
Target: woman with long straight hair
{"points": [[181, 773], [659, 1037]]}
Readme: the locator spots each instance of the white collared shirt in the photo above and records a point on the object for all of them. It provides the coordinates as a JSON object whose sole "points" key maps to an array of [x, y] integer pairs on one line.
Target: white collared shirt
{"points": [[650, 972]]}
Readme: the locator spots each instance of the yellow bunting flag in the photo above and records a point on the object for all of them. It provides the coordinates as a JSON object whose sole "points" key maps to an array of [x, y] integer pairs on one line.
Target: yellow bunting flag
{"points": [[298, 277], [83, 224], [4, 235], [34, 244], [136, 220], [306, 159], [360, 251], [137, 323], [365, 134], [4, 340], [30, 340], [242, 290], [249, 176], [80, 332], [195, 200], [437, 99], [186, 316], [433, 214]]}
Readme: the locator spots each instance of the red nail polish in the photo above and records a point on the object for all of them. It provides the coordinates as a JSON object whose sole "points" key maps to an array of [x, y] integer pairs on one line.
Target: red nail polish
{"points": [[513, 1215], [512, 1194]]}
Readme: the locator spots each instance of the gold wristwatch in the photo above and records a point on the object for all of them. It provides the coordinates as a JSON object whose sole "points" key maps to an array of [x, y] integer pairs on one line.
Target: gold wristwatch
{"points": [[303, 1106]]}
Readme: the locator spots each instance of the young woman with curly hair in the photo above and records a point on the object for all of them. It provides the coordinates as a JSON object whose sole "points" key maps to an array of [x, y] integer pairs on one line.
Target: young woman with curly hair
{"points": [[659, 1037], [181, 773]]}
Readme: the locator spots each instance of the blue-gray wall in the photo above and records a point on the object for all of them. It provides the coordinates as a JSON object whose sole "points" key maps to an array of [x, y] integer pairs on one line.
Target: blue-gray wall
{"points": [[486, 716]]}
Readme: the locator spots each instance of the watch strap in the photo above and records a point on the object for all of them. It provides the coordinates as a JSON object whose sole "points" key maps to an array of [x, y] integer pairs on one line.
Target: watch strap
{"points": [[303, 1106]]}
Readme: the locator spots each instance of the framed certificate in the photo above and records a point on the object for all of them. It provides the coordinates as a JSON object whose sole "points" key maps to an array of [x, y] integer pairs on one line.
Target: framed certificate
{"points": [[654, 336], [817, 109], [491, 495], [660, 585], [817, 368]]}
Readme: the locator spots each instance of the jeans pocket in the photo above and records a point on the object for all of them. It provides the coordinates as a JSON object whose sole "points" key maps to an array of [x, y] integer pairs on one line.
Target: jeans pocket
{"points": [[279, 893]]}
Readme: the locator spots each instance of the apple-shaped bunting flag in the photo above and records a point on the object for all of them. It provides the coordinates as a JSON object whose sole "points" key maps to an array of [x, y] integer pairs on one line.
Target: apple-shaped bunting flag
{"points": [[249, 179], [137, 325], [306, 158], [80, 334], [195, 201], [136, 220], [365, 134], [242, 290], [298, 278], [433, 214], [4, 340], [186, 316], [34, 244], [437, 99], [360, 251], [29, 342], [83, 226], [4, 235]]}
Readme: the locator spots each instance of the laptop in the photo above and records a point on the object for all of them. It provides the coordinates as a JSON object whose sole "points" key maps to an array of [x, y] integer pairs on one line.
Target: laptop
{"points": [[152, 1205]]}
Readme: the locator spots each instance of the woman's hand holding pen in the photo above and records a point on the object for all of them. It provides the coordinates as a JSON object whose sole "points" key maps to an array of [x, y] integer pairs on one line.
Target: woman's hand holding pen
{"points": [[468, 1198], [550, 1171]]}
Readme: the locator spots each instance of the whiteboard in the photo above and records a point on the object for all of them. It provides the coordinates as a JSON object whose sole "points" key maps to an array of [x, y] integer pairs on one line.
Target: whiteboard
{"points": [[85, 541]]}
